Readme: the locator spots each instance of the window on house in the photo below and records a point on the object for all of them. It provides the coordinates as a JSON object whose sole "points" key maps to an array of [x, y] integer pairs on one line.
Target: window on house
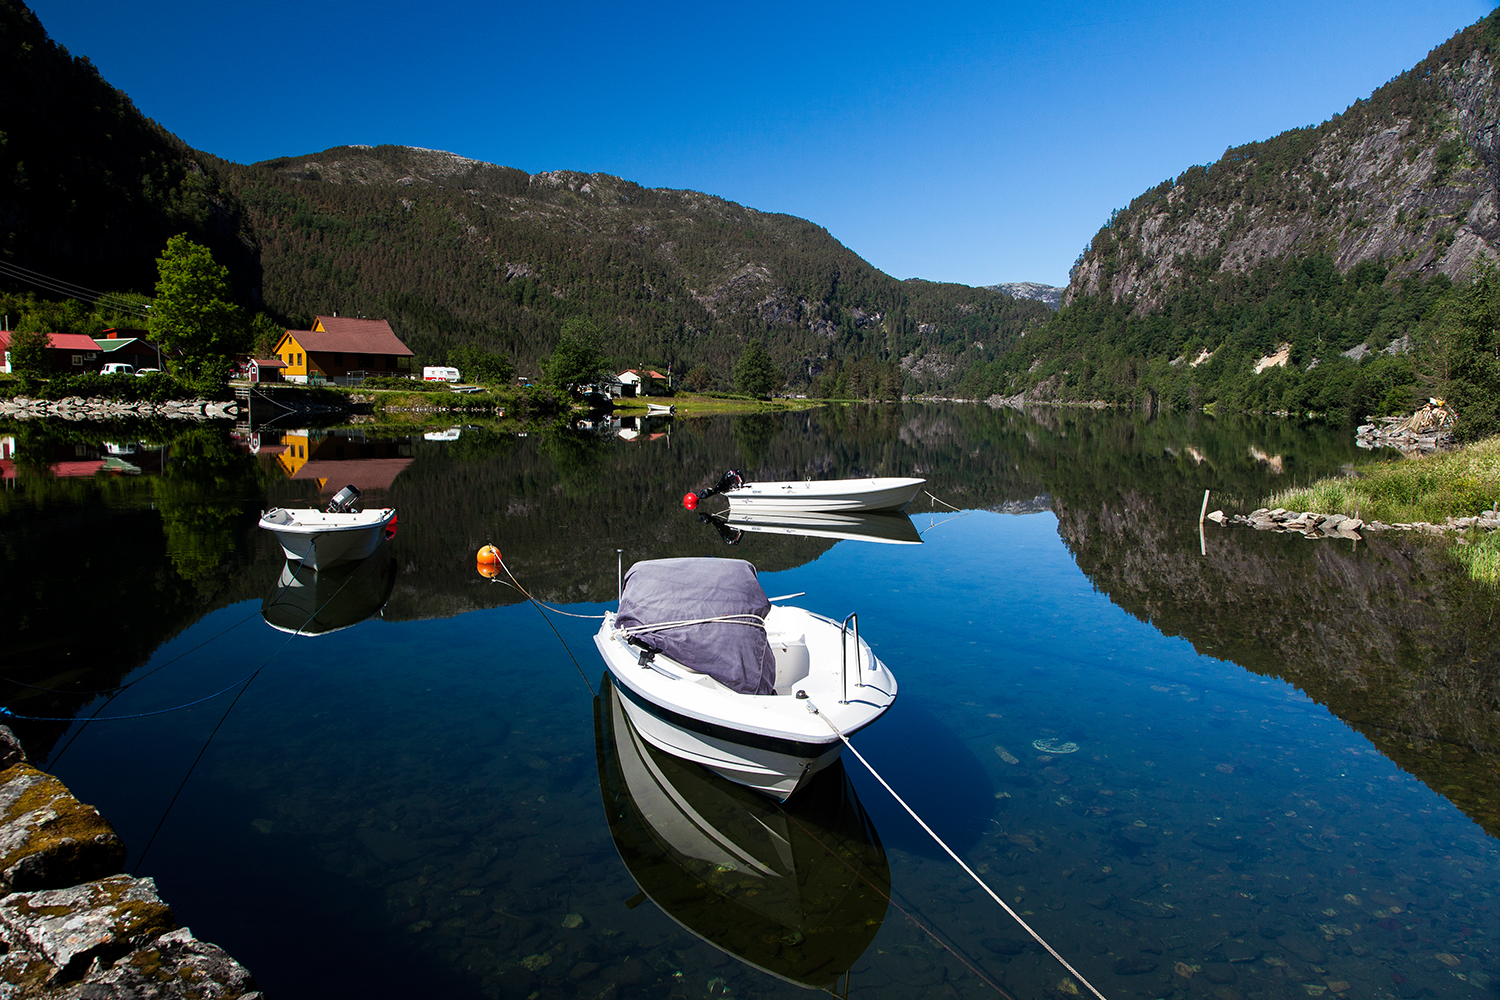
{"points": [[78, 359], [299, 357]]}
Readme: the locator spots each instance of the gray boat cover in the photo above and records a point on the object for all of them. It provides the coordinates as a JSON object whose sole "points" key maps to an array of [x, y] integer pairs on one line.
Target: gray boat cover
{"points": [[738, 656]]}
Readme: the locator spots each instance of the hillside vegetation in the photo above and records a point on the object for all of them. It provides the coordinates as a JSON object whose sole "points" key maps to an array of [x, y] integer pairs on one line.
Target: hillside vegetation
{"points": [[454, 251], [1346, 260]]}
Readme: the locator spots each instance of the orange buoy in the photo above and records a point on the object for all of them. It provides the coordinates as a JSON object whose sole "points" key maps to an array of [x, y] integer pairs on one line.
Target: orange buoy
{"points": [[488, 555], [488, 570]]}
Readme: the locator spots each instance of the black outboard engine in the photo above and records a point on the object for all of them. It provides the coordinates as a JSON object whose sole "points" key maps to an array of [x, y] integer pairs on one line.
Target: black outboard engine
{"points": [[343, 501]]}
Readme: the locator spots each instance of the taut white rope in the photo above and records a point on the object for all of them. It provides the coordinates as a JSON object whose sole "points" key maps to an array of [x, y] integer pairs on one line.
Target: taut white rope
{"points": [[920, 822]]}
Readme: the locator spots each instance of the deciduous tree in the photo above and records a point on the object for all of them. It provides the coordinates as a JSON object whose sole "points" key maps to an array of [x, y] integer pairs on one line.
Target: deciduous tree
{"points": [[191, 316]]}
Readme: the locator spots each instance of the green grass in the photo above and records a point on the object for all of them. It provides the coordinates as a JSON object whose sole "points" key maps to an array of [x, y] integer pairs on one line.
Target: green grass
{"points": [[1481, 558], [1434, 488]]}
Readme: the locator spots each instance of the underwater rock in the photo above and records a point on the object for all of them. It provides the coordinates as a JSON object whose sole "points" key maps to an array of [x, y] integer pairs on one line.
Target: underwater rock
{"points": [[48, 839], [1134, 965], [1302, 947]]}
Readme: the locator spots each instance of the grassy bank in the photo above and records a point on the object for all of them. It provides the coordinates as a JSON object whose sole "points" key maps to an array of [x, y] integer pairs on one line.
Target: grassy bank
{"points": [[690, 404], [1433, 488]]}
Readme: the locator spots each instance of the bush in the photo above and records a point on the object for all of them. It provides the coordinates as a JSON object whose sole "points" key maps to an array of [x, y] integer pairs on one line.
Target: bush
{"points": [[157, 388]]}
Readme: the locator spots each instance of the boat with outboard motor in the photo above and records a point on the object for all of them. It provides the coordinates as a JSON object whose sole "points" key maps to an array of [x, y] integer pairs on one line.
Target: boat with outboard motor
{"points": [[712, 671], [885, 493], [339, 533]]}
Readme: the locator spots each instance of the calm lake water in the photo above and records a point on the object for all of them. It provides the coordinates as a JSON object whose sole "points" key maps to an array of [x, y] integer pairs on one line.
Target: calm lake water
{"points": [[1263, 770]]}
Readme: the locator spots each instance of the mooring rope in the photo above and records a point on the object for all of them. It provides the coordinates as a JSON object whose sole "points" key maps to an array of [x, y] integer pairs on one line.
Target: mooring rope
{"points": [[539, 606], [979, 881]]}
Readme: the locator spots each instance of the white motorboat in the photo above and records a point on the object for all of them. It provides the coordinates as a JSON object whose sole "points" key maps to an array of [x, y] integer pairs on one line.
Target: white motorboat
{"points": [[824, 495], [324, 538], [743, 873], [712, 672]]}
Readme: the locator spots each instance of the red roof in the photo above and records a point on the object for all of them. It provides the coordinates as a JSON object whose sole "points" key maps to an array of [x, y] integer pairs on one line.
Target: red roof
{"points": [[60, 341], [269, 362], [357, 336]]}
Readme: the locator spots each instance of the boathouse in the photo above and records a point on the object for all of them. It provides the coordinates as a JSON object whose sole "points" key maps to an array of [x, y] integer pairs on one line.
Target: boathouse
{"points": [[67, 353]]}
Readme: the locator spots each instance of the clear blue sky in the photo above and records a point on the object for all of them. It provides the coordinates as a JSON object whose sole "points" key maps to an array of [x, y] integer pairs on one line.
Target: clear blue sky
{"points": [[959, 142]]}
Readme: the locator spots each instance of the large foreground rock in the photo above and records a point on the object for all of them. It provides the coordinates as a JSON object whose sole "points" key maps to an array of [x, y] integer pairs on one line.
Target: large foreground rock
{"points": [[48, 839]]}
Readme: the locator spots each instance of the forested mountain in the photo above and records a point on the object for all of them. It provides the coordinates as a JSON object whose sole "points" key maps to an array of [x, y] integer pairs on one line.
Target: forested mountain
{"points": [[1329, 269], [456, 251], [90, 189]]}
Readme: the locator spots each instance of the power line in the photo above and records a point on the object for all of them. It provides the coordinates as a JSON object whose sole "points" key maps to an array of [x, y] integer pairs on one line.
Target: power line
{"points": [[80, 292]]}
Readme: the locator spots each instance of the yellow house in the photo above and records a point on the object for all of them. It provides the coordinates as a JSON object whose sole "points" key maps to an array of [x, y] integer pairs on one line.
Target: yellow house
{"points": [[343, 349]]}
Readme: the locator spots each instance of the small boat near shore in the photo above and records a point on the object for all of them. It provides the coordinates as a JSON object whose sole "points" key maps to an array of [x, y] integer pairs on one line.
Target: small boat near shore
{"points": [[660, 409], [886, 493], [711, 671], [338, 534]]}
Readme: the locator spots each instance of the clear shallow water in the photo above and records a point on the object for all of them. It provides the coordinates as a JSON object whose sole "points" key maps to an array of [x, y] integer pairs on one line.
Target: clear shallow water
{"points": [[417, 804]]}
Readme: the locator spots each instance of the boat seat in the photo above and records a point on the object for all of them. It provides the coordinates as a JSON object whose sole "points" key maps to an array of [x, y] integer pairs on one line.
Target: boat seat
{"points": [[792, 660]]}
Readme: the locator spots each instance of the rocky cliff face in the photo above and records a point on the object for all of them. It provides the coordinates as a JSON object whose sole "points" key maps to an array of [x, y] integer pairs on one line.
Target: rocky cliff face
{"points": [[1048, 295], [1410, 176]]}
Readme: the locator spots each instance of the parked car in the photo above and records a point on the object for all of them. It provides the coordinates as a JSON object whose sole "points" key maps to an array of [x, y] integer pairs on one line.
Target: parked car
{"points": [[117, 368], [148, 371]]}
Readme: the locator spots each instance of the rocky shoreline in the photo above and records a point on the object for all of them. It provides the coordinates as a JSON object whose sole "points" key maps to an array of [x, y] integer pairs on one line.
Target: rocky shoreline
{"points": [[98, 408], [1315, 525], [72, 926]]}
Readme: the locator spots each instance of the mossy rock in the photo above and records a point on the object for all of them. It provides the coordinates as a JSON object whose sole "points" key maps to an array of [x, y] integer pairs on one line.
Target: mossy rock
{"points": [[48, 839]]}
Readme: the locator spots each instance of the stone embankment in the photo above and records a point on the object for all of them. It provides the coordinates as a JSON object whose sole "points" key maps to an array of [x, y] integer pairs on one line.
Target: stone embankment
{"points": [[1427, 430], [95, 408], [1341, 526], [71, 925]]}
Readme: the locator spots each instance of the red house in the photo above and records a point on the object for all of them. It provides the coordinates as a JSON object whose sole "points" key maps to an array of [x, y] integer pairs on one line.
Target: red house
{"points": [[68, 353]]}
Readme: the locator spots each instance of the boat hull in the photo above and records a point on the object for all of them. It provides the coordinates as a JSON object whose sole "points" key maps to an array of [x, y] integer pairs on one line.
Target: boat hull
{"points": [[773, 744], [771, 766], [884, 494], [320, 540]]}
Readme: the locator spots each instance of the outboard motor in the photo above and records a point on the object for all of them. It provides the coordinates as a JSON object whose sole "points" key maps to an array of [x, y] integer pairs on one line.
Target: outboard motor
{"points": [[730, 481], [343, 501]]}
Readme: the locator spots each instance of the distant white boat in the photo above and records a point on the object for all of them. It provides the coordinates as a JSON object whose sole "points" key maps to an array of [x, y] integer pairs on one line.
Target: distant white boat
{"points": [[660, 409], [712, 672], [323, 538], [887, 493]]}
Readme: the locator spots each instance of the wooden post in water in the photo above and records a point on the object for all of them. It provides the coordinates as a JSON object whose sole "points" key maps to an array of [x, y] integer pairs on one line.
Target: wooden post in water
{"points": [[1202, 513]]}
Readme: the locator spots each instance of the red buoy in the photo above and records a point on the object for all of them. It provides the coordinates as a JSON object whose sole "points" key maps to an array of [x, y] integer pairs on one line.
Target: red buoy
{"points": [[489, 555], [690, 501]]}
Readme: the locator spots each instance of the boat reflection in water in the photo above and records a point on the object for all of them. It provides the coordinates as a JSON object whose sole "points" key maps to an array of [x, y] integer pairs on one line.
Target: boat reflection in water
{"points": [[798, 890], [308, 601], [885, 527]]}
